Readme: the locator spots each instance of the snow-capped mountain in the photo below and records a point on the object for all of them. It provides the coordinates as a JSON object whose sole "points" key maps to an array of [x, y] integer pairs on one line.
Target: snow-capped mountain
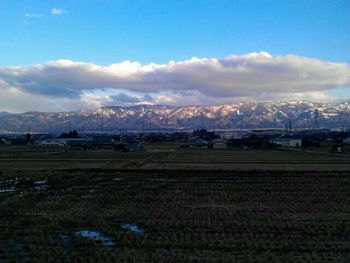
{"points": [[245, 115]]}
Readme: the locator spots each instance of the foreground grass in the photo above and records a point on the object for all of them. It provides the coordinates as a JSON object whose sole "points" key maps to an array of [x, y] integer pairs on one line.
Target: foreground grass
{"points": [[184, 216]]}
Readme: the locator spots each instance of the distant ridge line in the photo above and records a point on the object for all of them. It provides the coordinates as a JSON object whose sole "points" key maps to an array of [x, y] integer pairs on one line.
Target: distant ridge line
{"points": [[243, 115]]}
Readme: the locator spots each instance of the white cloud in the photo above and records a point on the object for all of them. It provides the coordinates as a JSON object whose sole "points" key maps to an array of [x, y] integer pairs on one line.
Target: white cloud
{"points": [[15, 100], [255, 76], [33, 15], [58, 11]]}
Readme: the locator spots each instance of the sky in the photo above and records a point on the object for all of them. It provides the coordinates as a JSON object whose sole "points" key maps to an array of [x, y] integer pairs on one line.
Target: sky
{"points": [[74, 54]]}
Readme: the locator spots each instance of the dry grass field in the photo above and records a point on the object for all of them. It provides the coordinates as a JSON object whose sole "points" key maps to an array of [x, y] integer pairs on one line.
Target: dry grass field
{"points": [[168, 157], [173, 206]]}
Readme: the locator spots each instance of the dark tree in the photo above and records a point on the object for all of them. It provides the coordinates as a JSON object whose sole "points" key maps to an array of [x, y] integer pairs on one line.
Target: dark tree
{"points": [[28, 138], [71, 134]]}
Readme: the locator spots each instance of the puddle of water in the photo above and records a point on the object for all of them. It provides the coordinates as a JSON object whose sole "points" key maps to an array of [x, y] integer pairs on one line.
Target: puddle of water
{"points": [[134, 228], [40, 182], [8, 186], [41, 185], [9, 182], [96, 236], [6, 190]]}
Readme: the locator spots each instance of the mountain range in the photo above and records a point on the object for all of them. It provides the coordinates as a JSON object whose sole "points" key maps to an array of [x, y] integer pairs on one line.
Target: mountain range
{"points": [[244, 115]]}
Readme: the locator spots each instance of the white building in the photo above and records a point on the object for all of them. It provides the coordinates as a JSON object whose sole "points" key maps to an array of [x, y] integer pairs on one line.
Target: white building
{"points": [[65, 142], [53, 142], [287, 142]]}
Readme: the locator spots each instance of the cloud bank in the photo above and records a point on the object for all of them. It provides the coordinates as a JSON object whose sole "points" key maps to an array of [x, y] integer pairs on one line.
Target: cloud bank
{"points": [[255, 76]]}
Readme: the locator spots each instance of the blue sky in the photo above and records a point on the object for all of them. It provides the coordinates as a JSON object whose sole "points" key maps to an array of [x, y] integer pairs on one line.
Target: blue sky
{"points": [[46, 40], [109, 31]]}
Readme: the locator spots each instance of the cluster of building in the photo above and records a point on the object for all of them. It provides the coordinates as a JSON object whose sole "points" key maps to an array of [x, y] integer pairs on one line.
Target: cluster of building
{"points": [[93, 142], [320, 140], [316, 140]]}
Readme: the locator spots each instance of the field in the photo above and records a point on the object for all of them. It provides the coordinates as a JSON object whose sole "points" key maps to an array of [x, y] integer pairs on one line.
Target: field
{"points": [[168, 156], [152, 207]]}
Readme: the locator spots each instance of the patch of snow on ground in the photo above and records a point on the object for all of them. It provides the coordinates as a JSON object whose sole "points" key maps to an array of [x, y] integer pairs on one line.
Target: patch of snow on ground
{"points": [[134, 228], [6, 190], [96, 236]]}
